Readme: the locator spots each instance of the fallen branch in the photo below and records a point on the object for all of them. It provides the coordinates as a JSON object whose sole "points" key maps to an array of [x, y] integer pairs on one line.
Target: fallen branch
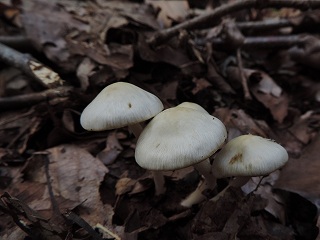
{"points": [[264, 25], [260, 42], [17, 41], [29, 66], [27, 100], [212, 18]]}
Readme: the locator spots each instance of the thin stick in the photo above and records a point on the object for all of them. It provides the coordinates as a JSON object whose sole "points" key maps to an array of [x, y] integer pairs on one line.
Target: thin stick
{"points": [[115, 236], [29, 66], [264, 25], [26, 100], [212, 18], [262, 42], [16, 41]]}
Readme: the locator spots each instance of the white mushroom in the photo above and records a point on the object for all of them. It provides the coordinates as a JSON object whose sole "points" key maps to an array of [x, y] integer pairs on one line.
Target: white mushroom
{"points": [[180, 137], [118, 105], [247, 156], [122, 104]]}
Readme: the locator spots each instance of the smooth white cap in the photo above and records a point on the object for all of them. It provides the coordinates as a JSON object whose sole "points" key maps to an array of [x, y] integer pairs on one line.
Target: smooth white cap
{"points": [[179, 137], [119, 104], [193, 106], [249, 155]]}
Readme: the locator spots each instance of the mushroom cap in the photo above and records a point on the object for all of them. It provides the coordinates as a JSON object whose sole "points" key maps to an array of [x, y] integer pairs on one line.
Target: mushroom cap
{"points": [[249, 155], [179, 137], [119, 104], [193, 106]]}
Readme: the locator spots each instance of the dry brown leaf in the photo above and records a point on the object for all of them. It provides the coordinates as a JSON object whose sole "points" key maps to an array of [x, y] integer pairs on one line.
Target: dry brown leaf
{"points": [[75, 176], [165, 53], [269, 94], [169, 90], [67, 120], [238, 122], [263, 187], [170, 11], [84, 71], [201, 84], [307, 53], [141, 14], [112, 150], [302, 175], [265, 90], [124, 185], [301, 128]]}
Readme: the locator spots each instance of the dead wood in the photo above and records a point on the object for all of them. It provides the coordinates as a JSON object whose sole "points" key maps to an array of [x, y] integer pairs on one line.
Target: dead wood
{"points": [[212, 18], [29, 66], [27, 100], [263, 42]]}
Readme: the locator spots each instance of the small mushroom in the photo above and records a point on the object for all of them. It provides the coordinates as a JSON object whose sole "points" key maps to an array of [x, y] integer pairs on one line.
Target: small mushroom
{"points": [[247, 156], [118, 105], [180, 137]]}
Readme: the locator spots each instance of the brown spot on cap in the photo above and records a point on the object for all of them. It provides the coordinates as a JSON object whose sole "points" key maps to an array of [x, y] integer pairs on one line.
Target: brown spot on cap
{"points": [[129, 104], [236, 158]]}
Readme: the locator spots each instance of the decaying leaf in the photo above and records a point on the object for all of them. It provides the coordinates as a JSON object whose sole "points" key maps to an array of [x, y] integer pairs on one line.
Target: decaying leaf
{"points": [[170, 11], [265, 90], [308, 53], [301, 175], [112, 150], [238, 122]]}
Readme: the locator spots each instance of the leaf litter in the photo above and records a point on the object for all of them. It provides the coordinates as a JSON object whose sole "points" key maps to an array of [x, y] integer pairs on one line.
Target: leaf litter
{"points": [[58, 181]]}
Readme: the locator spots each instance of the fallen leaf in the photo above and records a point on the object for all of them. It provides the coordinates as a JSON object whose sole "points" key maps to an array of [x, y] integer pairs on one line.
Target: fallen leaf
{"points": [[265, 90], [75, 176], [238, 122], [112, 150], [269, 94], [84, 71], [170, 11], [301, 175], [307, 53]]}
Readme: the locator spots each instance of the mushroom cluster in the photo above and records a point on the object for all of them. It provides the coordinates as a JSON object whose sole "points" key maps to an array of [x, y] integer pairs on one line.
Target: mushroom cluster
{"points": [[181, 136]]}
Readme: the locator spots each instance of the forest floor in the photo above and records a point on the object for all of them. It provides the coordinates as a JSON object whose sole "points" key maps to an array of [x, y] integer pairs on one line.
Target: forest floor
{"points": [[255, 65]]}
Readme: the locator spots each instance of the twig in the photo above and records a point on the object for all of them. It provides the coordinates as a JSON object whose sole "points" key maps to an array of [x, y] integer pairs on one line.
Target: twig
{"points": [[243, 76], [27, 100], [106, 230], [17, 41], [54, 203], [82, 223], [261, 42], [29, 66], [211, 18], [264, 25]]}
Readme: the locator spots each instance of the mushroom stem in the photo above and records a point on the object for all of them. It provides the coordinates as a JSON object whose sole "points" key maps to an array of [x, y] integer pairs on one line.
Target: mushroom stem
{"points": [[196, 196], [158, 178], [159, 182], [236, 182], [204, 168], [136, 129]]}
